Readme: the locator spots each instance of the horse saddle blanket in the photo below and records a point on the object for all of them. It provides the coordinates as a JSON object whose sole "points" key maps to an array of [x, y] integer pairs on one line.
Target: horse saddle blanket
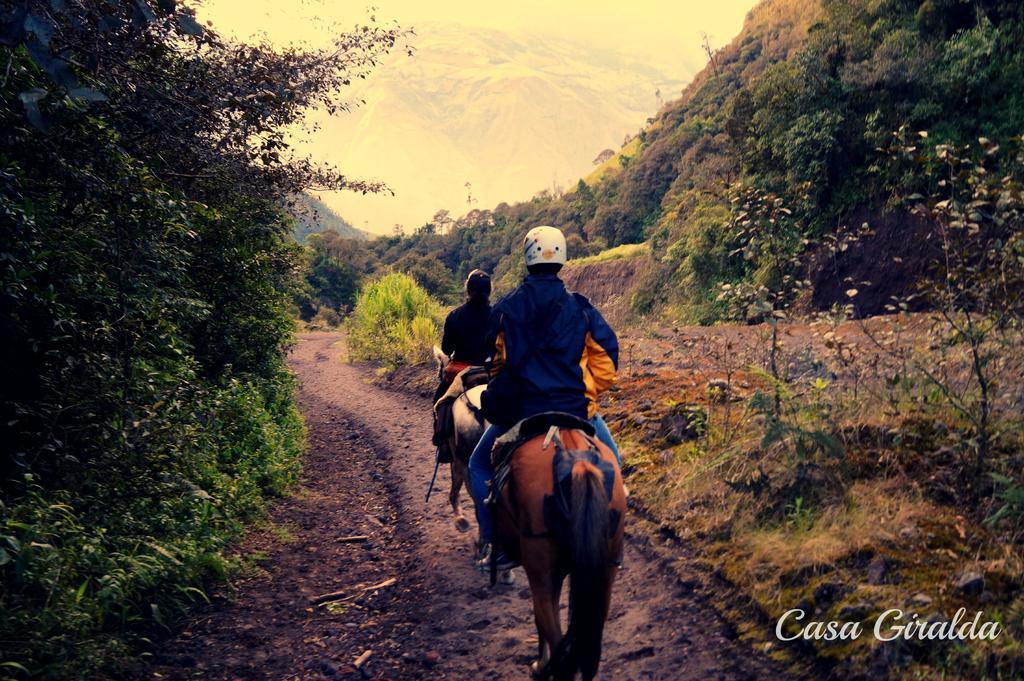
{"points": [[467, 378], [471, 376], [562, 460], [453, 369]]}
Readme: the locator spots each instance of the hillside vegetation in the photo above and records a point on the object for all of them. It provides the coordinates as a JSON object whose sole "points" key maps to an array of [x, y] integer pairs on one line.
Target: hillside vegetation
{"points": [[145, 274], [803, 103], [313, 216]]}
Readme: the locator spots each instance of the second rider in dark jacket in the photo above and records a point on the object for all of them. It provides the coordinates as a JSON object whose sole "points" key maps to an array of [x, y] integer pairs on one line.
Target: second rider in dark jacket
{"points": [[552, 351]]}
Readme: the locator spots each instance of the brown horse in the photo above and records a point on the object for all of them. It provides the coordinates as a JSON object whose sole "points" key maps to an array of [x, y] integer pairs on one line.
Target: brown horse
{"points": [[583, 542]]}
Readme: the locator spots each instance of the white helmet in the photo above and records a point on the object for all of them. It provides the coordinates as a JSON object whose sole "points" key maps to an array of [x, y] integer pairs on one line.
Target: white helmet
{"points": [[544, 245]]}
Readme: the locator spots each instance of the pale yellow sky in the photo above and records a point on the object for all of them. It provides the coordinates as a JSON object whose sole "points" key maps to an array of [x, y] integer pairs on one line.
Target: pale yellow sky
{"points": [[521, 110], [669, 32]]}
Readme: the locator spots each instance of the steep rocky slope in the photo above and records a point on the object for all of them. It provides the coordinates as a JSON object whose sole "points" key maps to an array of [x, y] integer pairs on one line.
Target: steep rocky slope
{"points": [[607, 284]]}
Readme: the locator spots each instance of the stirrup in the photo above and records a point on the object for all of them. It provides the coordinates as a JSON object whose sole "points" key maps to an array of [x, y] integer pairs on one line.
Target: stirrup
{"points": [[500, 563]]}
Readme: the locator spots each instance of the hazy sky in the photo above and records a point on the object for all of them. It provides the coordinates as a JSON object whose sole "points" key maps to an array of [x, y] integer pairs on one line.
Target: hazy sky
{"points": [[669, 31], [426, 167]]}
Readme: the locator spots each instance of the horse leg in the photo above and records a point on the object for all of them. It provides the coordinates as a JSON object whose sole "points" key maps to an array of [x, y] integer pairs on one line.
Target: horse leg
{"points": [[544, 647], [542, 653], [458, 478], [545, 615], [556, 598]]}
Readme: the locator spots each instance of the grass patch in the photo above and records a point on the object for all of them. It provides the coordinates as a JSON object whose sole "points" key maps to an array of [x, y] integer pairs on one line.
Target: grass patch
{"points": [[617, 253], [284, 534], [395, 322], [871, 515], [613, 166]]}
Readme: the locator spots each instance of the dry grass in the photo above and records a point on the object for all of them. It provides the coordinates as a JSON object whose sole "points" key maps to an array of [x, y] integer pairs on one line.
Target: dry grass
{"points": [[871, 516], [897, 489]]}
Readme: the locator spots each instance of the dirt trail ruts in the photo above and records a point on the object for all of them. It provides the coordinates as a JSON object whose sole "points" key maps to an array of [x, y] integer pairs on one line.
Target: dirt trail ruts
{"points": [[366, 473]]}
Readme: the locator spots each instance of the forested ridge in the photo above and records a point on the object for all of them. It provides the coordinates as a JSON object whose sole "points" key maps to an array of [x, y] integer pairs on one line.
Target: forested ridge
{"points": [[147, 270], [313, 216], [804, 103]]}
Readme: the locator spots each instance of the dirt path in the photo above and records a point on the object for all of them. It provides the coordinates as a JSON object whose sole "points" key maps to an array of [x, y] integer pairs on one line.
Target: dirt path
{"points": [[366, 474]]}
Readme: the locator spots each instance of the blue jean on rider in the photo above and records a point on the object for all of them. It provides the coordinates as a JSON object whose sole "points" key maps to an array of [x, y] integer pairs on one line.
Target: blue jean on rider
{"points": [[481, 471]]}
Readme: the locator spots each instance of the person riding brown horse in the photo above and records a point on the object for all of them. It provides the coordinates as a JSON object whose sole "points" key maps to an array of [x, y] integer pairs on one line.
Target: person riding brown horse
{"points": [[551, 350], [557, 488]]}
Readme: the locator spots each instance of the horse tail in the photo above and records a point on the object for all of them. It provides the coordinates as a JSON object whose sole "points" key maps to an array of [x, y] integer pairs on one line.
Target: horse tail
{"points": [[589, 574]]}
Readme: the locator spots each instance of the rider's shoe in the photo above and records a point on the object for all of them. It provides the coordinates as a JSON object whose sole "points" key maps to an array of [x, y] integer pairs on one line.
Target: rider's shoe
{"points": [[484, 563]]}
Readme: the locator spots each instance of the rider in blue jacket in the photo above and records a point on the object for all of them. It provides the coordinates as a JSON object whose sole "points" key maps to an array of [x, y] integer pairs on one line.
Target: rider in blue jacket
{"points": [[552, 351]]}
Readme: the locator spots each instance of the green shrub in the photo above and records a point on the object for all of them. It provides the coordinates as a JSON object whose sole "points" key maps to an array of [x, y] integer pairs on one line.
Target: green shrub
{"points": [[394, 322], [92, 570], [145, 276], [325, 318]]}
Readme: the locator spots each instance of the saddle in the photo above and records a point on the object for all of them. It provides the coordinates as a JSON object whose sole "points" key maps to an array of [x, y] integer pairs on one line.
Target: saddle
{"points": [[467, 377], [557, 505], [531, 427], [471, 377], [562, 461]]}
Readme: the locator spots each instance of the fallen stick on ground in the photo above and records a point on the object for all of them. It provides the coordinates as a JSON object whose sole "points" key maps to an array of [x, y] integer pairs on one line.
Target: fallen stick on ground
{"points": [[353, 538], [361, 660], [386, 582], [324, 598], [344, 596]]}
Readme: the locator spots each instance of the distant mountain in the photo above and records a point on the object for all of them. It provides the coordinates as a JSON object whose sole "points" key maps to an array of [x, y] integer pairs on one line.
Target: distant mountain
{"points": [[313, 216], [799, 104], [510, 114]]}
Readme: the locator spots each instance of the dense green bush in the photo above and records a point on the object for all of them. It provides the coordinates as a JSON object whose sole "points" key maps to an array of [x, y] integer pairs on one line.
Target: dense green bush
{"points": [[129, 551], [696, 258], [146, 270], [147, 411], [331, 275], [394, 322]]}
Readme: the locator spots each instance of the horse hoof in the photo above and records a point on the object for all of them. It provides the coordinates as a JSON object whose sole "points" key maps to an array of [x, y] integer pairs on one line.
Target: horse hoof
{"points": [[462, 525], [506, 577]]}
